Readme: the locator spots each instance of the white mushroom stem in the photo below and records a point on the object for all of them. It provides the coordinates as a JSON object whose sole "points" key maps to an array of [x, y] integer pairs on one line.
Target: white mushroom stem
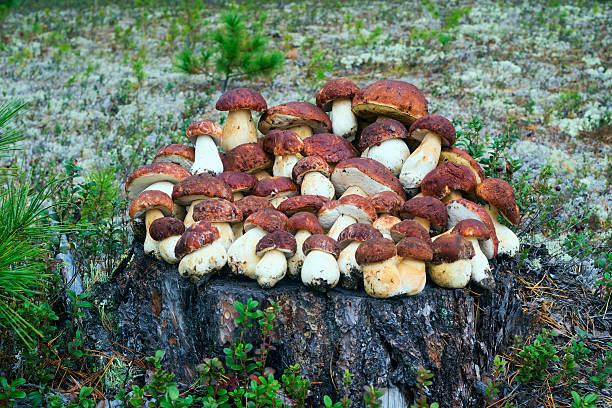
{"points": [[508, 241], [239, 129], [166, 249], [413, 275], [354, 190], [150, 245], [453, 275], [481, 270], [203, 261], [341, 223], [283, 165], [423, 160], [384, 223], [262, 174], [294, 264], [276, 200], [344, 122], [320, 270], [189, 216], [242, 257], [382, 279], [350, 270], [163, 186], [423, 222], [453, 195], [271, 268], [237, 229], [302, 131], [392, 153], [226, 234], [316, 183], [237, 195], [207, 158]]}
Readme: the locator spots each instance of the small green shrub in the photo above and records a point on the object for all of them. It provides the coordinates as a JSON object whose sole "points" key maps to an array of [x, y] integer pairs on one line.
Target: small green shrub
{"points": [[423, 381], [190, 63], [535, 358]]}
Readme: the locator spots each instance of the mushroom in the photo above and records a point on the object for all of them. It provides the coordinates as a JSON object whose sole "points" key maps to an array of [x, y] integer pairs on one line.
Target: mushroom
{"points": [[302, 118], [274, 249], [275, 189], [182, 155], [249, 205], [462, 209], [242, 255], [151, 204], [331, 148], [383, 142], [409, 228], [413, 253], [286, 146], [155, 176], [337, 96], [307, 203], [199, 253], [451, 266], [381, 277], [384, 223], [312, 174], [240, 182], [351, 274], [221, 213], [368, 175], [443, 181], [205, 135], [304, 224], [474, 231], [335, 216], [196, 188], [460, 156], [239, 127], [387, 205], [433, 132], [167, 231], [397, 100], [249, 158], [501, 199], [320, 268], [427, 211]]}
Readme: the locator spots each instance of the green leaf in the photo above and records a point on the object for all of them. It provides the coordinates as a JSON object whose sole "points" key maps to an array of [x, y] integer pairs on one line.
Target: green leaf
{"points": [[173, 393], [327, 401]]}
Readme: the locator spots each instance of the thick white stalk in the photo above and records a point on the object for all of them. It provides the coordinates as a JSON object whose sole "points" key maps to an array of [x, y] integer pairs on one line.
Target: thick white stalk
{"points": [[509, 243], [317, 184], [391, 153], [354, 190], [242, 257], [189, 216], [202, 262], [150, 245], [237, 195], [453, 195], [239, 129], [350, 271], [423, 160], [262, 174], [302, 131], [481, 270], [320, 270], [382, 279], [163, 186], [166, 249], [294, 264], [341, 223], [271, 268], [344, 122], [423, 222], [207, 158], [226, 234], [413, 276], [283, 165], [453, 275]]}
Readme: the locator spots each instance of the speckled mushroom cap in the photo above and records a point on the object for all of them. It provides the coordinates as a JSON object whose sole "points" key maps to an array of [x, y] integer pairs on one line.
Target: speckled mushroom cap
{"points": [[251, 204], [414, 248], [282, 142], [198, 235], [238, 181], [180, 154], [204, 128], [241, 98], [482, 215], [267, 219], [409, 228], [332, 148], [450, 248], [340, 88], [308, 203], [149, 174], [429, 208], [200, 187], [448, 176], [387, 202], [321, 242], [247, 157], [369, 174], [381, 130], [459, 156], [279, 240], [166, 227], [392, 99], [217, 210], [500, 194], [151, 200], [306, 221], [375, 250], [357, 232], [307, 164], [472, 229], [274, 186], [436, 124], [352, 205], [292, 114]]}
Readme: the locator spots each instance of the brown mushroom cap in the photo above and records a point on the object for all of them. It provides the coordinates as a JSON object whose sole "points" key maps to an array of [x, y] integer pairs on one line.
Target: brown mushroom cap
{"points": [[369, 174], [482, 215], [204, 128], [198, 234], [459, 156], [352, 205], [409, 228], [392, 99], [357, 232], [267, 219], [151, 200], [292, 114], [307, 164], [500, 195], [436, 124], [426, 207], [451, 247], [241, 98], [166, 227], [217, 210], [251, 204], [332, 148], [321, 242], [282, 142], [308, 203], [200, 187], [306, 221], [247, 157], [381, 130], [339, 88], [175, 153], [273, 186], [387, 202], [375, 250], [238, 181], [448, 176], [279, 240], [471, 228], [149, 174], [414, 248]]}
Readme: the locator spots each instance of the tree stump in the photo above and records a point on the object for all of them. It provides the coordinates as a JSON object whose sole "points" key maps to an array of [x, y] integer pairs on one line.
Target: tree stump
{"points": [[383, 342]]}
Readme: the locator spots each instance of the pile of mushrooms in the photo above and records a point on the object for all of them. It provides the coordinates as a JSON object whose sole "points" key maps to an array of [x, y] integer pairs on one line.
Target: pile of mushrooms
{"points": [[373, 196]]}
